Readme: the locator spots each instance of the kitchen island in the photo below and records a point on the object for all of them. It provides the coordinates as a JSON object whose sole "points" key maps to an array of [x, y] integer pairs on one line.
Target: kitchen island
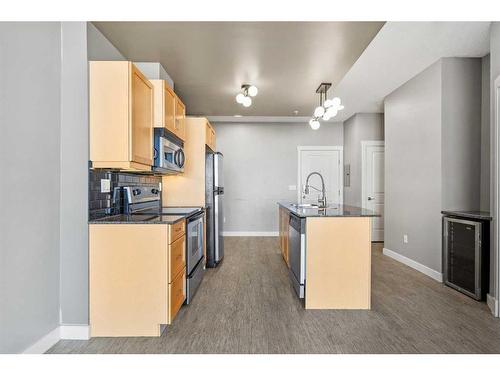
{"points": [[328, 252]]}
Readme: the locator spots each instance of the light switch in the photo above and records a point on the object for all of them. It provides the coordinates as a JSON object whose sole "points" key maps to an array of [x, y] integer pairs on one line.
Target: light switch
{"points": [[159, 186], [405, 238], [105, 185], [292, 187]]}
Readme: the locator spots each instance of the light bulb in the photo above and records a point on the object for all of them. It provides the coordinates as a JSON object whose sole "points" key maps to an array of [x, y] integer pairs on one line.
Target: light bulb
{"points": [[336, 102], [341, 107], [247, 101], [326, 116], [314, 124], [253, 91], [319, 111], [328, 103], [240, 98], [332, 112]]}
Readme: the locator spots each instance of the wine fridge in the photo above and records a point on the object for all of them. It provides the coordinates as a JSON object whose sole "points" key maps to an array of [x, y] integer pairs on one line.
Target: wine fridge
{"points": [[466, 255]]}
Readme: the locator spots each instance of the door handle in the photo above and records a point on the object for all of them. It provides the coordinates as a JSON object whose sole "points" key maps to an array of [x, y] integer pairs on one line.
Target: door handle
{"points": [[371, 198]]}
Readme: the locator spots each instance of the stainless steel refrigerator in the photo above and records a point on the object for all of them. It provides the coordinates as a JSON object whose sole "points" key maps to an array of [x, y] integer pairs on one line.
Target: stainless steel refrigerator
{"points": [[214, 196]]}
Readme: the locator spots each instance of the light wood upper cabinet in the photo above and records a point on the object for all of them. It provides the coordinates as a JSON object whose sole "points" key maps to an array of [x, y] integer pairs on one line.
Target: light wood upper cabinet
{"points": [[210, 136], [180, 117], [169, 111], [121, 116], [164, 105], [142, 118]]}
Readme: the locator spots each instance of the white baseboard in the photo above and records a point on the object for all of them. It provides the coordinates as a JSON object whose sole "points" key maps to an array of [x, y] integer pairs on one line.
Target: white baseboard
{"points": [[45, 343], [76, 332], [438, 276], [492, 304], [250, 234]]}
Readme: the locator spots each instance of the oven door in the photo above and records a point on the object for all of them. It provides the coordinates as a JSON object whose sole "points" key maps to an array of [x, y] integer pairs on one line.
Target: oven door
{"points": [[194, 242]]}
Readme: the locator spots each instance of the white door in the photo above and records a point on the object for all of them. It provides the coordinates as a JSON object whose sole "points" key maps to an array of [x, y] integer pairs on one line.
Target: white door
{"points": [[373, 184], [327, 160]]}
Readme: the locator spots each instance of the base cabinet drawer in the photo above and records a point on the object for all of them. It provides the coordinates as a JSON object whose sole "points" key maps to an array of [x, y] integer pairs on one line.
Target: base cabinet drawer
{"points": [[177, 295], [176, 257], [176, 230]]}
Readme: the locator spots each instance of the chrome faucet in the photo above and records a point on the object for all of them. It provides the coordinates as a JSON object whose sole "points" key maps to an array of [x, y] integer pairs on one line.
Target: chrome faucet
{"points": [[322, 200]]}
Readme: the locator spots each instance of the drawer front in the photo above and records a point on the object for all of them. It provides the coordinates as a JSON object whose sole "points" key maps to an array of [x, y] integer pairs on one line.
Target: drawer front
{"points": [[177, 294], [177, 257], [176, 230]]}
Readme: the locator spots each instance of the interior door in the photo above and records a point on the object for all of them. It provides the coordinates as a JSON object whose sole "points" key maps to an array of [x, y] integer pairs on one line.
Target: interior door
{"points": [[142, 119], [373, 186], [328, 163]]}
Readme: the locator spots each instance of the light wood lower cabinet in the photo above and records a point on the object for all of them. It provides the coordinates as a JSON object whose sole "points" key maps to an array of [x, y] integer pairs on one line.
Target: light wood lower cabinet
{"points": [[136, 277], [284, 218], [177, 293]]}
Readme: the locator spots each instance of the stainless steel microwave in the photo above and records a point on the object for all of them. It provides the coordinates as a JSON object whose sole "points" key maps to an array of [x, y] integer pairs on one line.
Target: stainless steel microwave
{"points": [[169, 156]]}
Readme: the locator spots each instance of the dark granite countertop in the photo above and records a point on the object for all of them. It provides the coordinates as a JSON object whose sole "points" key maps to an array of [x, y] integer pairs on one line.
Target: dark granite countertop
{"points": [[338, 210], [138, 219], [478, 215], [167, 215]]}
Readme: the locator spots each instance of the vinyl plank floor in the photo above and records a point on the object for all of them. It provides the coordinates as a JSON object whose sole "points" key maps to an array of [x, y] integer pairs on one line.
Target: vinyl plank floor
{"points": [[247, 305]]}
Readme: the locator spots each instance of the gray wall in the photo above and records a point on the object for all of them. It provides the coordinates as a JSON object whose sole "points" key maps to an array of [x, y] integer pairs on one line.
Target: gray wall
{"points": [[461, 133], [413, 168], [485, 135], [360, 127], [260, 162], [74, 174], [494, 73], [30, 68], [433, 155]]}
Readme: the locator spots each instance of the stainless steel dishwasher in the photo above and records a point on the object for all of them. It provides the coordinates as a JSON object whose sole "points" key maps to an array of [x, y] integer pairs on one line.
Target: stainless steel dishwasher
{"points": [[297, 253]]}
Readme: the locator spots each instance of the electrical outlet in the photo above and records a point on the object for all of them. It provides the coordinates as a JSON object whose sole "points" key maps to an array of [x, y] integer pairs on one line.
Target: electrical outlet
{"points": [[292, 187], [105, 185], [405, 238]]}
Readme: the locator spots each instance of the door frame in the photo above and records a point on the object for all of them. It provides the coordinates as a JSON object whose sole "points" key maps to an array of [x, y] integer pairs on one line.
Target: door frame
{"points": [[364, 146], [321, 148], [494, 201]]}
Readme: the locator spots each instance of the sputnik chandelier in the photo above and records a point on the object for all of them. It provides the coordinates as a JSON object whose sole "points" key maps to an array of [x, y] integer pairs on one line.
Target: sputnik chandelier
{"points": [[327, 109]]}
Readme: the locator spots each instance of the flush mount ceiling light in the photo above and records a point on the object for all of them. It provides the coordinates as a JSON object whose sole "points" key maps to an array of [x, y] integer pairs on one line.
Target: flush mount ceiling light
{"points": [[246, 94], [327, 109]]}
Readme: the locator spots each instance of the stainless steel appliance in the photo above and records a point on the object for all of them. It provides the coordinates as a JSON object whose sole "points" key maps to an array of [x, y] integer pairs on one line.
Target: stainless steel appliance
{"points": [[214, 196], [169, 156], [144, 201], [194, 255], [466, 255], [297, 253]]}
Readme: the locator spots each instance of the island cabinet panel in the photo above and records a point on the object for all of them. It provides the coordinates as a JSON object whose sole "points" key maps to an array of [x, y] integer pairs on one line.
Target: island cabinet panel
{"points": [[120, 116], [284, 218], [338, 263]]}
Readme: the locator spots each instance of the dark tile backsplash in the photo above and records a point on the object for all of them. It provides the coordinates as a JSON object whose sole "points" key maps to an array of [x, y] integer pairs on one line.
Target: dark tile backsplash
{"points": [[101, 204]]}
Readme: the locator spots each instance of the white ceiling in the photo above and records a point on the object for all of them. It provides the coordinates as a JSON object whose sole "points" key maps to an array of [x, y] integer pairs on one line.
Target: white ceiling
{"points": [[209, 61], [400, 51]]}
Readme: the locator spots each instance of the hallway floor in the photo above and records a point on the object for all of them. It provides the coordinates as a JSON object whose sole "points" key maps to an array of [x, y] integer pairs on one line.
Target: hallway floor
{"points": [[247, 305]]}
